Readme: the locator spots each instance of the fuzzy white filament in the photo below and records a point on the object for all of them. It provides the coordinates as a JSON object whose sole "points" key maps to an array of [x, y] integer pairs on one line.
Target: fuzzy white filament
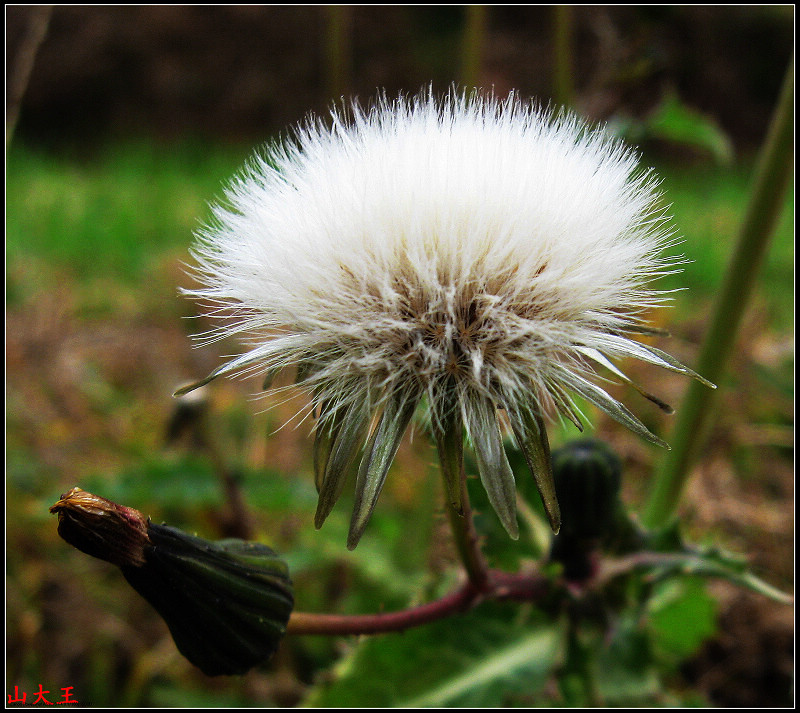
{"points": [[476, 253]]}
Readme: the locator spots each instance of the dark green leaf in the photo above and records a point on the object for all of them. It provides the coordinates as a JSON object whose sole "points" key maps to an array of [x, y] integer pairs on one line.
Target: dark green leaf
{"points": [[487, 658], [682, 615]]}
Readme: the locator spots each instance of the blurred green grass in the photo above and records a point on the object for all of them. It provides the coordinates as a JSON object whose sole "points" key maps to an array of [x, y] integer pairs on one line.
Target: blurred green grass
{"points": [[115, 212], [707, 204]]}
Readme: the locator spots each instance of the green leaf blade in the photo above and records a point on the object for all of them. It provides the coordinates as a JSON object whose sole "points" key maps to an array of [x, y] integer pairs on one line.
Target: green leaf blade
{"points": [[490, 657]]}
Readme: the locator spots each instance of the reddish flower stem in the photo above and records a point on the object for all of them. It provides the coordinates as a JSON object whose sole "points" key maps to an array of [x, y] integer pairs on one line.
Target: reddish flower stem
{"points": [[499, 585], [482, 584]]}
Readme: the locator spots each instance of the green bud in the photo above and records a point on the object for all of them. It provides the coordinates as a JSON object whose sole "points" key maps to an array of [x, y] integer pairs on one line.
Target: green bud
{"points": [[226, 603], [587, 476]]}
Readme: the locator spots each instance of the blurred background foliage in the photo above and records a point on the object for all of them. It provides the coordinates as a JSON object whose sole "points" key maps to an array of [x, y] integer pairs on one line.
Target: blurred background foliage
{"points": [[123, 122]]}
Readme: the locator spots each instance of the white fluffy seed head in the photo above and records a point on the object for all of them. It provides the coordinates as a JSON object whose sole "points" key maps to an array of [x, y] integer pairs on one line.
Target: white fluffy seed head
{"points": [[474, 252], [423, 239]]}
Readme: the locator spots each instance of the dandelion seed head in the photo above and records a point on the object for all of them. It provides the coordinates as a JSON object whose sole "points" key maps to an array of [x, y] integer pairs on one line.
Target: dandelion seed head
{"points": [[463, 249]]}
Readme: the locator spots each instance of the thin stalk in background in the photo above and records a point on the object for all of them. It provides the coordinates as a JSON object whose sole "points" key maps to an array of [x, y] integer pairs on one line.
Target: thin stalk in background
{"points": [[772, 175], [20, 70], [563, 83], [191, 416], [338, 43], [472, 45]]}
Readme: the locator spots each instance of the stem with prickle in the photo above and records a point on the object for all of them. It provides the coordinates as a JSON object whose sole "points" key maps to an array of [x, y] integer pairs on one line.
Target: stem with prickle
{"points": [[466, 539]]}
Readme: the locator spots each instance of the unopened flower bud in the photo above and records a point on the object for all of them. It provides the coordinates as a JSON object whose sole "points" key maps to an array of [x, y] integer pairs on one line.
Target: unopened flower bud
{"points": [[587, 477], [587, 474], [226, 603]]}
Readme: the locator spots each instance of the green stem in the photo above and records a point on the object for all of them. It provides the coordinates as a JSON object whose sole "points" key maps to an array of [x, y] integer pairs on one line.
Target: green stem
{"points": [[466, 539], [773, 172], [236, 520]]}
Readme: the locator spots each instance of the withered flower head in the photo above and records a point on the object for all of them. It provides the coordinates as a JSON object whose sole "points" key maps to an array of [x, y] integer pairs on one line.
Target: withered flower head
{"points": [[102, 528]]}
